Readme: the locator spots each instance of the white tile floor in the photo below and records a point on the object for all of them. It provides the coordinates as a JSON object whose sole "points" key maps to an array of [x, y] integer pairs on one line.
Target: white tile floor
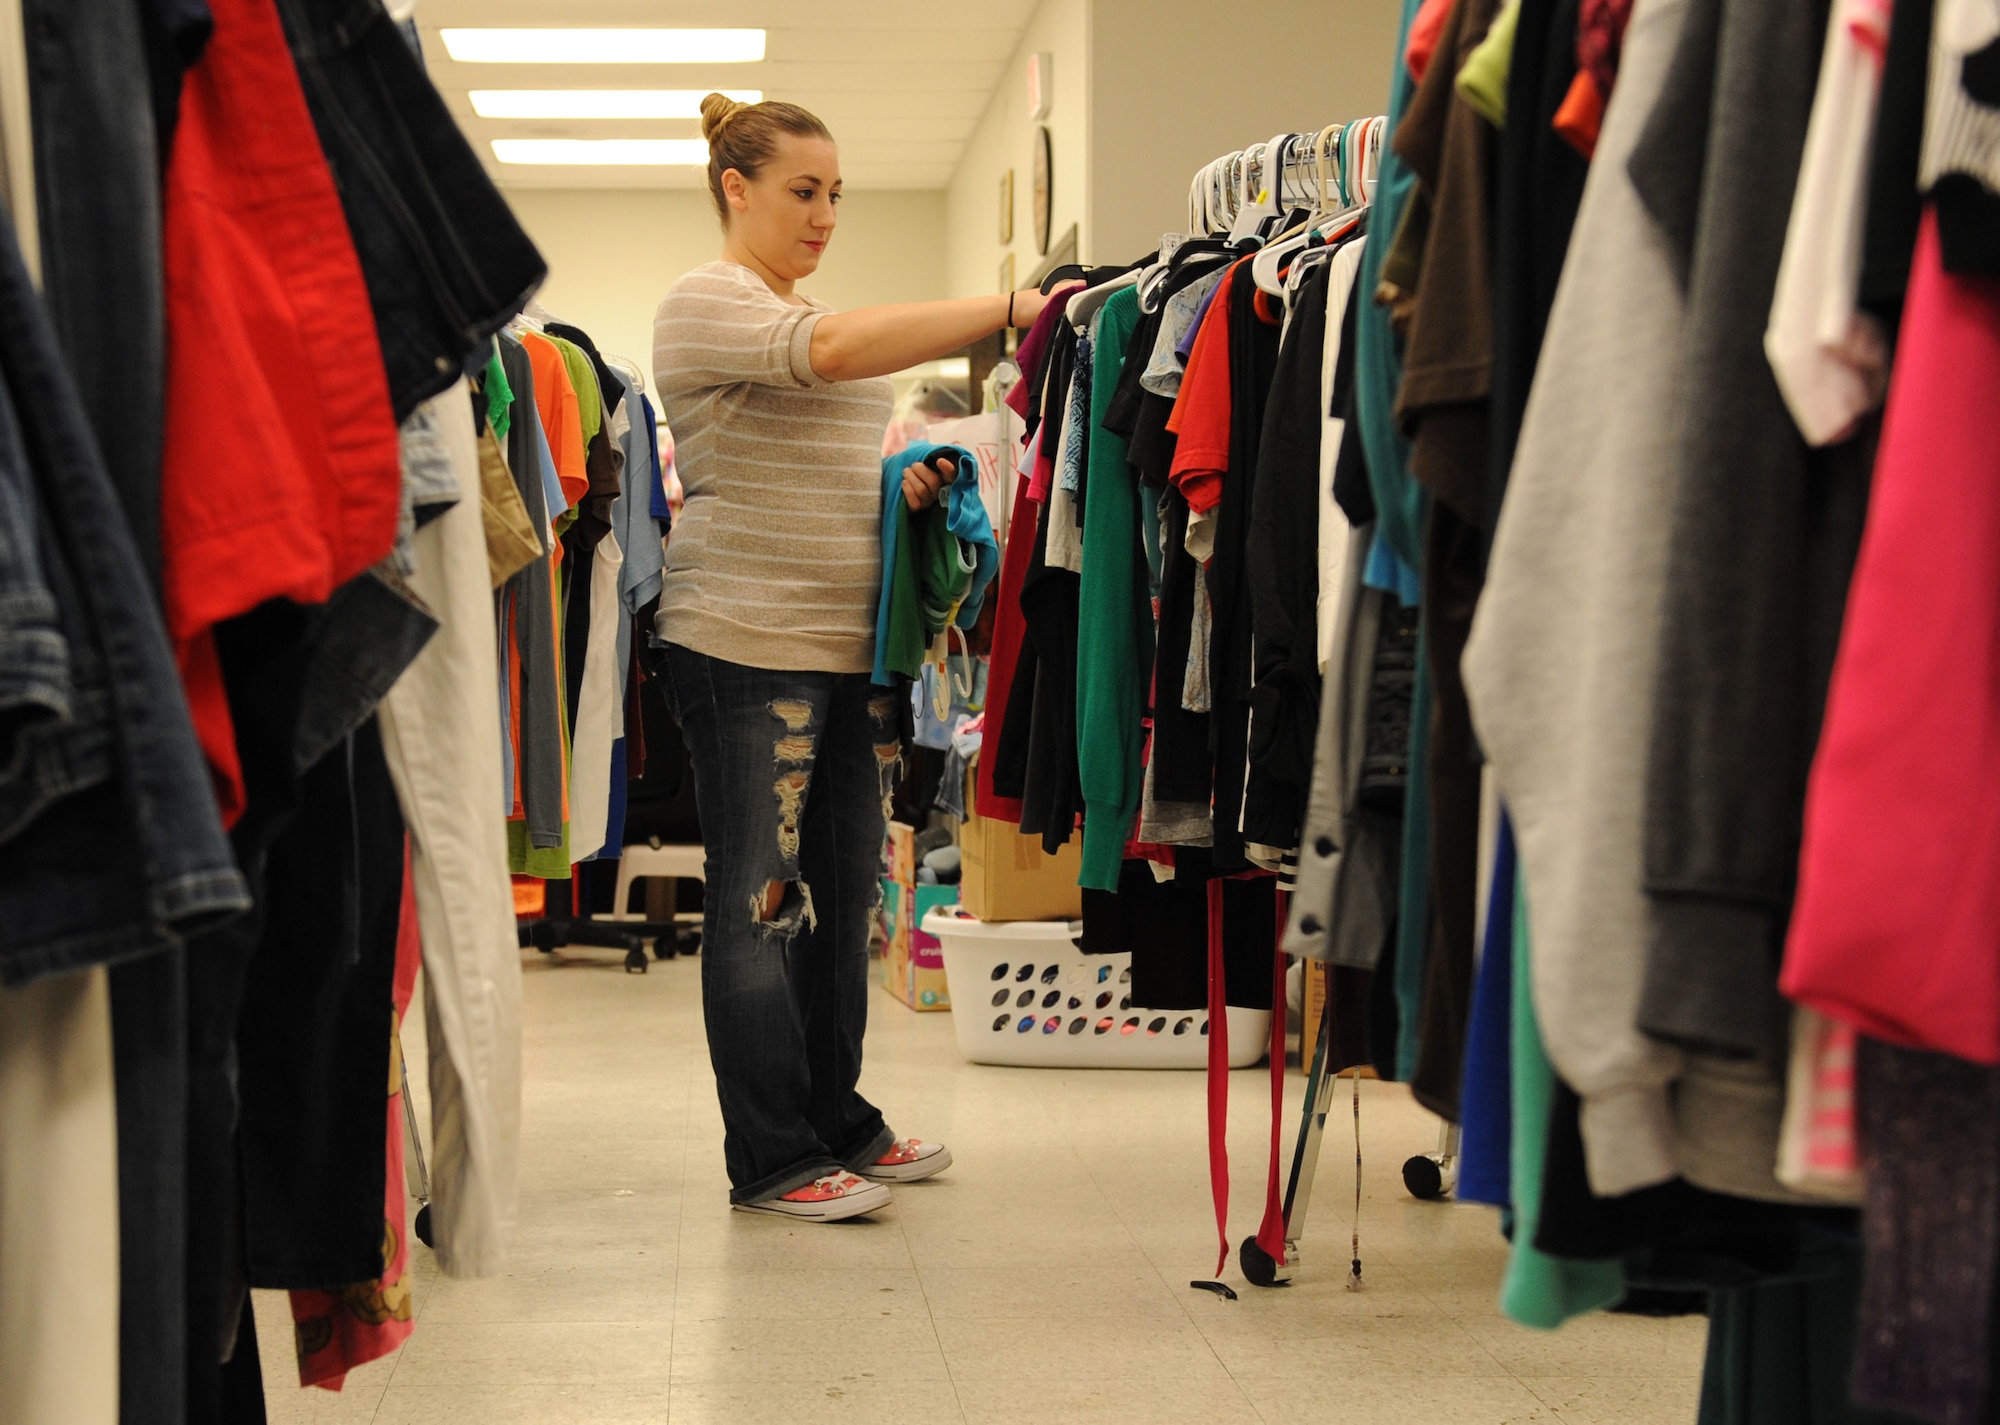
{"points": [[1044, 1278]]}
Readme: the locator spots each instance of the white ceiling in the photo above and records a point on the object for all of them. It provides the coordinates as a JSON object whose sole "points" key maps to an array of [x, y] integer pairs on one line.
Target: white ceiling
{"points": [[900, 82]]}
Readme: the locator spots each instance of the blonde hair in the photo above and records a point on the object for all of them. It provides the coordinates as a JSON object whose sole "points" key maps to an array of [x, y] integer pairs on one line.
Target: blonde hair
{"points": [[745, 137]]}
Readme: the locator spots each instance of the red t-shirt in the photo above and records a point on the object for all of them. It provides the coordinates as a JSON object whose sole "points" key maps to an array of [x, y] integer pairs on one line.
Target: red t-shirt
{"points": [[1202, 413], [280, 476]]}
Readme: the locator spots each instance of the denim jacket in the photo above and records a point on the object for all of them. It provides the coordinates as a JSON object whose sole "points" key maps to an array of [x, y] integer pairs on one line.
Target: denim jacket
{"points": [[114, 844]]}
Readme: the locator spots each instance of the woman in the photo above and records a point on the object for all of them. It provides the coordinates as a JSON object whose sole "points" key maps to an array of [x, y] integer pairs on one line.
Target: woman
{"points": [[778, 408]]}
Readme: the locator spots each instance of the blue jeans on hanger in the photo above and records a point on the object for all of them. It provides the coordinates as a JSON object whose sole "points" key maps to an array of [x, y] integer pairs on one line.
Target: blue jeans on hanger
{"points": [[793, 773], [114, 844], [446, 261]]}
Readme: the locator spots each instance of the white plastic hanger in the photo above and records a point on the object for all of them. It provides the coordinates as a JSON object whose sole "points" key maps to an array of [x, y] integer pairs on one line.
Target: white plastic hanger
{"points": [[1371, 157], [1259, 192], [1087, 303], [1264, 268]]}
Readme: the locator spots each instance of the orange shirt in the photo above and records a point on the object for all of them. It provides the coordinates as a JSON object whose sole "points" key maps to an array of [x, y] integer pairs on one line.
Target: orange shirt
{"points": [[562, 415]]}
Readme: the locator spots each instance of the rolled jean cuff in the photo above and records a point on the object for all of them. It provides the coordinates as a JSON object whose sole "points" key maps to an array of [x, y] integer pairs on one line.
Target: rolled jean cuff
{"points": [[880, 1143], [790, 1180]]}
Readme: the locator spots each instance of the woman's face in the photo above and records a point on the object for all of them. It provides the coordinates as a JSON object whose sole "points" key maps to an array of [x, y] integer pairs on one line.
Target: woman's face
{"points": [[786, 215]]}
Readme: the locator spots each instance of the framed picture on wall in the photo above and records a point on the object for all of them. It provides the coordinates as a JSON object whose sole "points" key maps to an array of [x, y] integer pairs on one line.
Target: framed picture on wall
{"points": [[1007, 206], [1044, 181], [1007, 273]]}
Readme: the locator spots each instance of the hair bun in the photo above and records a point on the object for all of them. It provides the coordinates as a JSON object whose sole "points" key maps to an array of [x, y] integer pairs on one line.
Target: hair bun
{"points": [[716, 111]]}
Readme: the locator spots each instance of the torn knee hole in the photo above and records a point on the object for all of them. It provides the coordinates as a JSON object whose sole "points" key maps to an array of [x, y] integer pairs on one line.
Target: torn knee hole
{"points": [[794, 749], [796, 715], [784, 906]]}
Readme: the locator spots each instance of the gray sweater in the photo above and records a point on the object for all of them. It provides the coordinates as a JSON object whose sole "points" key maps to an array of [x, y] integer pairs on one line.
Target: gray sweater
{"points": [[1562, 659], [776, 561]]}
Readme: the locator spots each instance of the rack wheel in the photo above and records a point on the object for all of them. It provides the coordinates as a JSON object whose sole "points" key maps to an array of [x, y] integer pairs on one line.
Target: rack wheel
{"points": [[1260, 1268], [635, 961], [1424, 1178], [664, 949], [690, 942], [423, 1225]]}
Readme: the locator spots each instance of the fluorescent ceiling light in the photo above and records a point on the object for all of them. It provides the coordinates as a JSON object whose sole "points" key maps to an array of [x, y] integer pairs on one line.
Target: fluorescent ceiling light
{"points": [[598, 103], [628, 152], [597, 46]]}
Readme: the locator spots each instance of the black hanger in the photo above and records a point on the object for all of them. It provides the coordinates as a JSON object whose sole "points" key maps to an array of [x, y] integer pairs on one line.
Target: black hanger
{"points": [[1211, 247], [1092, 276]]}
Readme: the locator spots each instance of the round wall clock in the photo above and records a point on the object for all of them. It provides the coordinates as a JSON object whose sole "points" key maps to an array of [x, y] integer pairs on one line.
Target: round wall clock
{"points": [[1043, 156]]}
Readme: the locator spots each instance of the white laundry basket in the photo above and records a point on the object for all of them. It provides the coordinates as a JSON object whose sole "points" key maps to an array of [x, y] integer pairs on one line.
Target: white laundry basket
{"points": [[1022, 994]]}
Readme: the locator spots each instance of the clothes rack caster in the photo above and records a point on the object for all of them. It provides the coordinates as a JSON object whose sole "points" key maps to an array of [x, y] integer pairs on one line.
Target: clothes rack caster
{"points": [[1431, 1176], [636, 961], [416, 1172], [1260, 1268]]}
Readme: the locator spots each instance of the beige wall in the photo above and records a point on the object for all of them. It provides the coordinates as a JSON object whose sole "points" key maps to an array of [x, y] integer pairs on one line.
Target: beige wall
{"points": [[613, 252], [1162, 109], [1140, 105], [1004, 139]]}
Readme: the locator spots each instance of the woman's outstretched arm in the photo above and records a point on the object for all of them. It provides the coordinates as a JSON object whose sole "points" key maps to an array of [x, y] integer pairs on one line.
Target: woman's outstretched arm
{"points": [[876, 341]]}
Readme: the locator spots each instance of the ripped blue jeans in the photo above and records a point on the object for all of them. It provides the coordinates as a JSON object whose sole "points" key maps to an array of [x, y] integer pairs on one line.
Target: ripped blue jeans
{"points": [[792, 776]]}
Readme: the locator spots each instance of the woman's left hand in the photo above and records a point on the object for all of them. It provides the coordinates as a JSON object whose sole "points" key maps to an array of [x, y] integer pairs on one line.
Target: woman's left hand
{"points": [[922, 484]]}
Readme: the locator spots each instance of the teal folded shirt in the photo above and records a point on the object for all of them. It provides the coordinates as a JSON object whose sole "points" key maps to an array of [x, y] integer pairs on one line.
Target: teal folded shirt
{"points": [[931, 560]]}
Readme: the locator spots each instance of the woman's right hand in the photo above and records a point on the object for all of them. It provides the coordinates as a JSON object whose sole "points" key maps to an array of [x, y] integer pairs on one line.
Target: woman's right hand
{"points": [[924, 483]]}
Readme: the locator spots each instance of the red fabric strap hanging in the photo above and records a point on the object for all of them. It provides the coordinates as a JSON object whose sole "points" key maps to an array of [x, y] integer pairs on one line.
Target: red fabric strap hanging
{"points": [[1271, 1235], [1218, 1077]]}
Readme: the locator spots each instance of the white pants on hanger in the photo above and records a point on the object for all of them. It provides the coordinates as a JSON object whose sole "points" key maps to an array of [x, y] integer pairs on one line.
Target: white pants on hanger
{"points": [[58, 1204], [441, 731], [600, 710]]}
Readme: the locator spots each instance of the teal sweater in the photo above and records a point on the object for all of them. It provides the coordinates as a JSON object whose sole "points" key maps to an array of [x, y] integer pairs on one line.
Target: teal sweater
{"points": [[1399, 499], [1115, 626]]}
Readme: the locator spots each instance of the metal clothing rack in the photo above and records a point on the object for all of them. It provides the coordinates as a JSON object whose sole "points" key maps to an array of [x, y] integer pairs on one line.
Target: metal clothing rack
{"points": [[1337, 164], [1428, 1176]]}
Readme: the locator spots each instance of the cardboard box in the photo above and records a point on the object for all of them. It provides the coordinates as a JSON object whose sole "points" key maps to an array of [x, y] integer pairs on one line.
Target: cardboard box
{"points": [[1319, 976], [913, 962], [1319, 996], [901, 854], [1007, 876]]}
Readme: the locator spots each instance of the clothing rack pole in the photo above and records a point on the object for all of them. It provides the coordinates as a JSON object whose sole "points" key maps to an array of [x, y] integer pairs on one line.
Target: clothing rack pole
{"points": [[1228, 178]]}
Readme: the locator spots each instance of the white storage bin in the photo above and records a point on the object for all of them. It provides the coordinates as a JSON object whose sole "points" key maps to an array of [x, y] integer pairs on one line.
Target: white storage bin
{"points": [[1022, 994]]}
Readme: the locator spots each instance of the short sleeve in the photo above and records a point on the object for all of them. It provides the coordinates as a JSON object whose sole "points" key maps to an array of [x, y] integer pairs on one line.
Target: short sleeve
{"points": [[718, 328]]}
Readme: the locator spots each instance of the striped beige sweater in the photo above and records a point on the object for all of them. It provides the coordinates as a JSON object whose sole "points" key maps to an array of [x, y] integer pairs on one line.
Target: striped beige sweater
{"points": [[776, 561]]}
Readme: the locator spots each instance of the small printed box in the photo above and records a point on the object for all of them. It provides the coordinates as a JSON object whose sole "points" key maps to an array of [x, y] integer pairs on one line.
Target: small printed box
{"points": [[913, 960], [902, 854]]}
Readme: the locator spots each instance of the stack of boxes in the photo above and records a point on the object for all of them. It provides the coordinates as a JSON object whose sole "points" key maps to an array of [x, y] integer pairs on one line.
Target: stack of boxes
{"points": [[1006, 877], [912, 963]]}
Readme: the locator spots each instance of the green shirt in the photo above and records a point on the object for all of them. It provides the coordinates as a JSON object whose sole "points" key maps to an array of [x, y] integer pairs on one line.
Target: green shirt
{"points": [[929, 559], [1115, 624]]}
